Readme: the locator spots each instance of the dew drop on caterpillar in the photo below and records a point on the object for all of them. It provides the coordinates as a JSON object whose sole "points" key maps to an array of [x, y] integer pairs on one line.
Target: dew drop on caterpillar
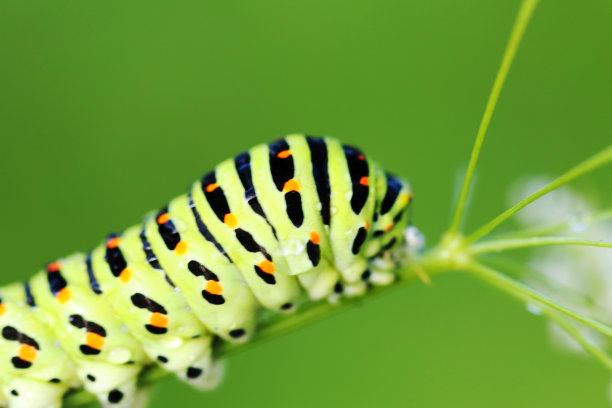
{"points": [[299, 220]]}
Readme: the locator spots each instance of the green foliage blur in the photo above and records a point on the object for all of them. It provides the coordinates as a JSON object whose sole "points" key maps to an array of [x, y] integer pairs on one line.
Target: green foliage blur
{"points": [[109, 109]]}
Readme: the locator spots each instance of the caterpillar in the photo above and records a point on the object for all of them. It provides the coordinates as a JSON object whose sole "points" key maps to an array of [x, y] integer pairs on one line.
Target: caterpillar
{"points": [[299, 220]]}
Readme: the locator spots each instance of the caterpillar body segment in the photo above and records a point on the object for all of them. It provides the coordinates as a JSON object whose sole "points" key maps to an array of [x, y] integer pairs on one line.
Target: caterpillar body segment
{"points": [[302, 215], [31, 359], [213, 287]]}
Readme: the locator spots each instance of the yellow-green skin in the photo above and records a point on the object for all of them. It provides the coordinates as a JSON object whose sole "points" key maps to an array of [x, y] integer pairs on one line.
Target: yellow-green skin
{"points": [[186, 323]]}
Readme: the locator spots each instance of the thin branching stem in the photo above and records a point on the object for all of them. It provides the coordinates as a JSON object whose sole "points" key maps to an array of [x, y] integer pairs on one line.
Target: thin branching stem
{"points": [[522, 292], [573, 332], [592, 163], [579, 221], [500, 245], [520, 24]]}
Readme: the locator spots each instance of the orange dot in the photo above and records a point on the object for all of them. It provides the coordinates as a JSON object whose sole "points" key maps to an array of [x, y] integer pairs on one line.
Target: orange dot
{"points": [[291, 185], [266, 266], [27, 352], [113, 243], [361, 157], [53, 267], [367, 225], [163, 218], [284, 154], [315, 238], [213, 287], [64, 295], [389, 227], [159, 320], [364, 181], [212, 187], [126, 275], [94, 340], [180, 248], [2, 309], [230, 220]]}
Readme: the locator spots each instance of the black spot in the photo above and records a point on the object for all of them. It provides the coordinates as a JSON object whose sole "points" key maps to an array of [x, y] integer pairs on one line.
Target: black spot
{"points": [[89, 351], [20, 364], [358, 169], [282, 169], [378, 233], [394, 186], [29, 297], [216, 198], [366, 275], [162, 359], [143, 302], [15, 393], [204, 229], [77, 321], [55, 380], [320, 172], [266, 277], [359, 240], [287, 306], [314, 253], [338, 288], [91, 378], [213, 299], [155, 329], [115, 396], [194, 372], [10, 333], [247, 240], [93, 282], [390, 244], [237, 333], [168, 231], [293, 199]]}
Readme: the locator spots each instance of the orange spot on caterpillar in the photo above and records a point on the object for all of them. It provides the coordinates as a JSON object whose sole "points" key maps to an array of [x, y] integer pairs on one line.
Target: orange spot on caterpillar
{"points": [[2, 309], [180, 248], [126, 275], [367, 225], [53, 267], [389, 227], [361, 157], [113, 243], [284, 154], [291, 185], [64, 295], [212, 187], [163, 218], [364, 181], [315, 238], [94, 340], [27, 352], [213, 287], [230, 220], [266, 266], [158, 320]]}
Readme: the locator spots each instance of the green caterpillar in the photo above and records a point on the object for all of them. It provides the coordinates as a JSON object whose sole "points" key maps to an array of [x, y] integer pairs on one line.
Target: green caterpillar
{"points": [[303, 217]]}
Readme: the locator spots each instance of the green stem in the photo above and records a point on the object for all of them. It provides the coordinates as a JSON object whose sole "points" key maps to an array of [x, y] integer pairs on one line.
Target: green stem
{"points": [[524, 293], [573, 331], [500, 245], [520, 24], [592, 163], [567, 225]]}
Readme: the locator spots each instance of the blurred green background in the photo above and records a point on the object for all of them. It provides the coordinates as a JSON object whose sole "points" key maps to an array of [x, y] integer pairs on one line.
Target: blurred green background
{"points": [[108, 109]]}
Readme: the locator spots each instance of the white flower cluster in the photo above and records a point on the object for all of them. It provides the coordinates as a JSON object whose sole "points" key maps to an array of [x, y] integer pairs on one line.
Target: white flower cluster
{"points": [[578, 277]]}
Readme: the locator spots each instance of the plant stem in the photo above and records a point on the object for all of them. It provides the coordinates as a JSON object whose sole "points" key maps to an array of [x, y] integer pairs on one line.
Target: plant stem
{"points": [[500, 245], [573, 331], [524, 293], [520, 24], [567, 225], [587, 166]]}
